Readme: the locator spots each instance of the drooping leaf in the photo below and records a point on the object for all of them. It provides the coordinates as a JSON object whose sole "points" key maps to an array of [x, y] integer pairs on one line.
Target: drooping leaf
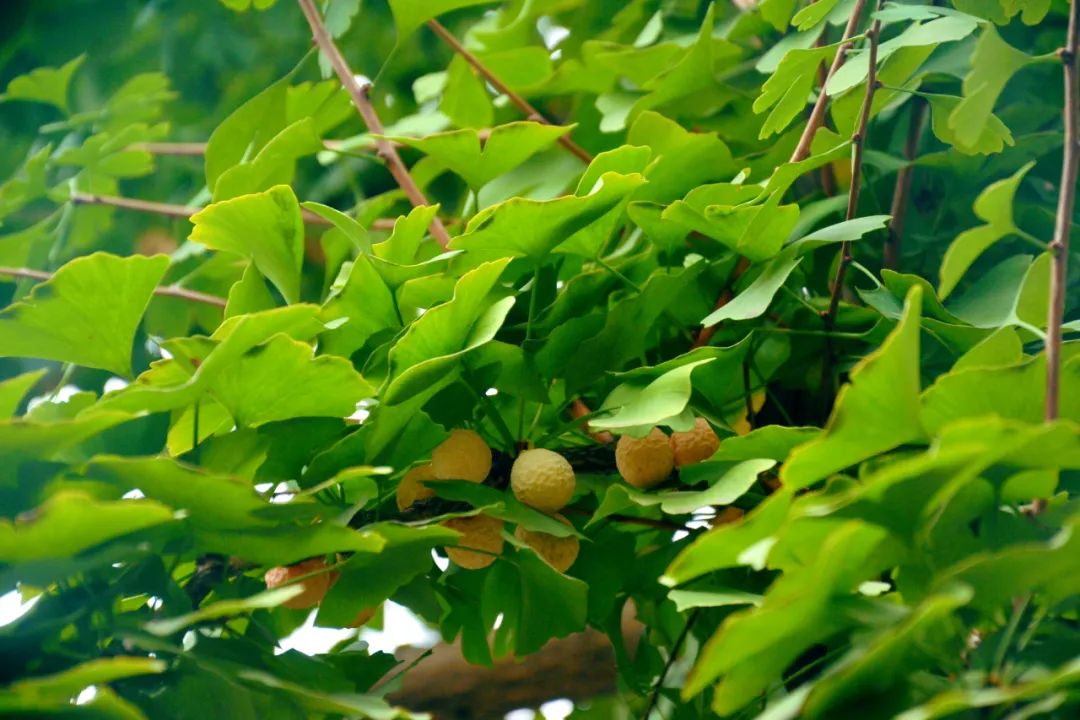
{"points": [[45, 85], [87, 314]]}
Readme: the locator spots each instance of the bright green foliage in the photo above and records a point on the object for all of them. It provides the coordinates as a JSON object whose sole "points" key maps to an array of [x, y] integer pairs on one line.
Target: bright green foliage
{"points": [[240, 381]]}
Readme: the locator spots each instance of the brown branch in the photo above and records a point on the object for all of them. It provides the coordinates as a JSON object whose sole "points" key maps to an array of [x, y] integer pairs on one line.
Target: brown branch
{"points": [[898, 210], [579, 667], [817, 115], [164, 290], [706, 333], [362, 100], [1059, 247], [517, 100], [858, 142], [184, 212]]}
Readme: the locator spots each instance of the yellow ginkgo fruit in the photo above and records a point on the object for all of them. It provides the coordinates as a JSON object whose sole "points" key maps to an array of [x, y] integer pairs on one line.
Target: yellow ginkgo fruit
{"points": [[478, 532], [644, 462], [542, 479], [695, 445], [741, 422], [314, 587], [558, 552], [462, 456], [412, 487]]}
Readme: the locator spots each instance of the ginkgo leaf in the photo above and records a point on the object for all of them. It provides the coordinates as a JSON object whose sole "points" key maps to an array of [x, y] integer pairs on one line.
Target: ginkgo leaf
{"points": [[45, 85], [87, 314], [994, 206], [787, 89], [266, 227], [993, 139]]}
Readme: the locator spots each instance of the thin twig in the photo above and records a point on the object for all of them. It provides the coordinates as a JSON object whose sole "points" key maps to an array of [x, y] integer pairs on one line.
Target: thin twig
{"points": [[655, 697], [184, 212], [164, 290], [517, 100], [858, 142], [362, 100], [817, 115], [1059, 247], [898, 210]]}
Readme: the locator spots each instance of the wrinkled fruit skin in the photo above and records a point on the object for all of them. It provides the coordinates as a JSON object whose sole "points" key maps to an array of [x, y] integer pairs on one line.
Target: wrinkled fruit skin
{"points": [[558, 552], [644, 462], [364, 616], [479, 532], [315, 587], [411, 487], [695, 445], [542, 479], [462, 456]]}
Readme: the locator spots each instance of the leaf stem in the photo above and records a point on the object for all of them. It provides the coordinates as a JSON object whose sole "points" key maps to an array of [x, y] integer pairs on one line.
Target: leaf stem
{"points": [[526, 108], [162, 290], [1059, 246], [672, 657], [360, 94]]}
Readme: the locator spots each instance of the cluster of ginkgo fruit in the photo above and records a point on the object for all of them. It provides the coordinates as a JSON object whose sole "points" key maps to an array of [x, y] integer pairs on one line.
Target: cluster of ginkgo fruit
{"points": [[542, 479]]}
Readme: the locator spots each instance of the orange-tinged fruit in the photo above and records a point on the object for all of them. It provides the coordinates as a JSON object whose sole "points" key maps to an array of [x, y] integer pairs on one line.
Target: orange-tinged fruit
{"points": [[314, 587], [412, 487], [462, 456], [695, 445], [542, 479], [558, 552], [644, 462], [728, 515], [478, 532]]}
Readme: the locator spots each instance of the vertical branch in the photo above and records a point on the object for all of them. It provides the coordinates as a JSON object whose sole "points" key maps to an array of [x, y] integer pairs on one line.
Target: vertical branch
{"points": [[1059, 247], [858, 142], [817, 115], [903, 185], [362, 100], [526, 108]]}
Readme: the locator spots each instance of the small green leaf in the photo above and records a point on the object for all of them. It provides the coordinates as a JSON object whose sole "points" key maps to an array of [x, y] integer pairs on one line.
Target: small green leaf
{"points": [[266, 227], [13, 390], [87, 314], [224, 608], [411, 14], [45, 85], [994, 206], [635, 405], [993, 139], [725, 490], [789, 86]]}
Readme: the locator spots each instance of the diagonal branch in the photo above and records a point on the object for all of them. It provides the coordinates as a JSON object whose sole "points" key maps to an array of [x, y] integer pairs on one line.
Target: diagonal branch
{"points": [[163, 290], [362, 100], [817, 115], [518, 101], [1059, 247]]}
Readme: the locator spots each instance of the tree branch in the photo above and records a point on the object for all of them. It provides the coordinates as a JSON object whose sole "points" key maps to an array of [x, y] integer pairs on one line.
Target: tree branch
{"points": [[817, 115], [361, 99], [164, 290], [858, 142], [1059, 247], [184, 212], [517, 100], [903, 185]]}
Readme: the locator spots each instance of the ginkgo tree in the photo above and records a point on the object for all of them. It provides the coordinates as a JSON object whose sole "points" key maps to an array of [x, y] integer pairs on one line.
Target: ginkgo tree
{"points": [[736, 338]]}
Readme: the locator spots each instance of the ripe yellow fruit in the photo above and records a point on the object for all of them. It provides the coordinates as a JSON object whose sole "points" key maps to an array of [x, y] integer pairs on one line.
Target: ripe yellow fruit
{"points": [[314, 587], [741, 423], [694, 445], [478, 532], [412, 487], [364, 616], [558, 552], [542, 479], [644, 462], [462, 456]]}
